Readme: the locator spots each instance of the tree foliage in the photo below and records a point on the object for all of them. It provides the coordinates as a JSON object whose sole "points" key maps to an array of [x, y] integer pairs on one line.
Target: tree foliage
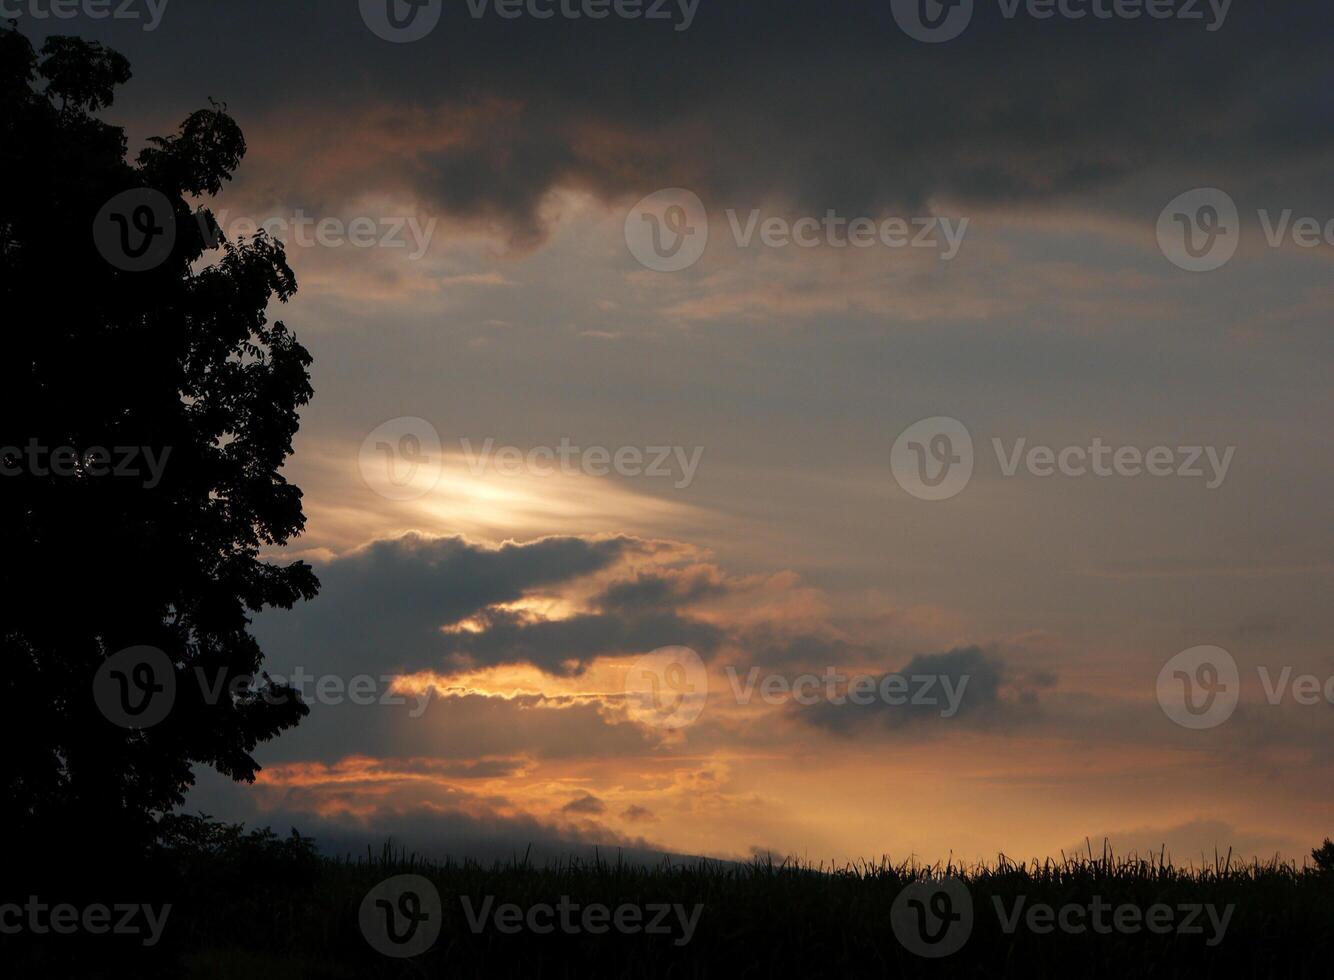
{"points": [[181, 361]]}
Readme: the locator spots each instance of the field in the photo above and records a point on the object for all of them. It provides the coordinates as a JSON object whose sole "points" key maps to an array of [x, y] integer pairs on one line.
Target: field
{"points": [[256, 906]]}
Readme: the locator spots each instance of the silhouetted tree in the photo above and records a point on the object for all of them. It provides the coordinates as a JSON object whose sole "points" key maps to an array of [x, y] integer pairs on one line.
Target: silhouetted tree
{"points": [[129, 321], [1324, 857]]}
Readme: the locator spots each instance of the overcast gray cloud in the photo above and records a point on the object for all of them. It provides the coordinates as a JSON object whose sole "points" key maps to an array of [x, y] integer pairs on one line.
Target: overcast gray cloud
{"points": [[828, 105], [382, 606], [961, 686]]}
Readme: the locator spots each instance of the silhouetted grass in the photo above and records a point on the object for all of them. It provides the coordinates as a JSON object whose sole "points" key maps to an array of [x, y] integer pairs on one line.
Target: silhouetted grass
{"points": [[274, 909]]}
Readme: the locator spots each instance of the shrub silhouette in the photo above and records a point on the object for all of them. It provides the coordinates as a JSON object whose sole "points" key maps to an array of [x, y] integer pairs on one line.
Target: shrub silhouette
{"points": [[1324, 857], [179, 359]]}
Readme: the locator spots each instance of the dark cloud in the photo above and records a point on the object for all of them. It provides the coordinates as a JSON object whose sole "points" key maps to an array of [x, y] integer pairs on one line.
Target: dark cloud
{"points": [[586, 805], [454, 578], [825, 105], [657, 591], [381, 607], [568, 646], [963, 686], [379, 614]]}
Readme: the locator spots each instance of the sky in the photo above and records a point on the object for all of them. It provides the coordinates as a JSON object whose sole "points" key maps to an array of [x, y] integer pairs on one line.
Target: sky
{"points": [[851, 397]]}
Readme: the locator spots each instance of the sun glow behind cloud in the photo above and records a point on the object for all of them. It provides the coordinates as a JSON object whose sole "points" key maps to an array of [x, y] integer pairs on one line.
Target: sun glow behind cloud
{"points": [[344, 510]]}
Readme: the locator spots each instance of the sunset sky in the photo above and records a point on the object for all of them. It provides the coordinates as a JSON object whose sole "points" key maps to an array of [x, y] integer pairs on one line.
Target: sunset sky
{"points": [[519, 598]]}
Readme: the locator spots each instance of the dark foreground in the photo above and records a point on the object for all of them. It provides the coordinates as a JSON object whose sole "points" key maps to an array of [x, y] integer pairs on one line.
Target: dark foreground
{"points": [[255, 906]]}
